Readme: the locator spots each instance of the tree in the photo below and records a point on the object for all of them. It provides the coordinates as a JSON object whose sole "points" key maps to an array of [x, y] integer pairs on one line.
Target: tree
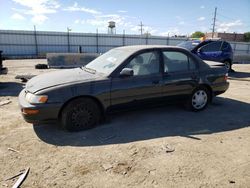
{"points": [[197, 34], [247, 36]]}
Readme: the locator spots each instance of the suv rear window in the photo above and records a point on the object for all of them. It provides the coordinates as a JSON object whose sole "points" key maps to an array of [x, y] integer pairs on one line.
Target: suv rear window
{"points": [[226, 46]]}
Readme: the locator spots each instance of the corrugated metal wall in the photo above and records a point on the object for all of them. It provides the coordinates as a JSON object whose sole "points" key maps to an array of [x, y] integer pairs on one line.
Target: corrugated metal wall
{"points": [[33, 44]]}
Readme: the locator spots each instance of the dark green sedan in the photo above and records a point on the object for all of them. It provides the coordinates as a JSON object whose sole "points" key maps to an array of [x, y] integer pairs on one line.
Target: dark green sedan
{"points": [[124, 76]]}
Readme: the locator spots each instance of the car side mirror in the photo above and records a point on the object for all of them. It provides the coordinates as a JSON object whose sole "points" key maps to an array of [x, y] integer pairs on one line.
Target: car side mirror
{"points": [[127, 72]]}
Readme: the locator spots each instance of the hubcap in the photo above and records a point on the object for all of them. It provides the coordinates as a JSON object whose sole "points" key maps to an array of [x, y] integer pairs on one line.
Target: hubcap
{"points": [[227, 64], [199, 99], [81, 116]]}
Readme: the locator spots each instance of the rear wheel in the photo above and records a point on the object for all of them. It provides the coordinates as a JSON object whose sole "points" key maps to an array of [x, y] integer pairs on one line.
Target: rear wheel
{"points": [[228, 65], [199, 99], [80, 114]]}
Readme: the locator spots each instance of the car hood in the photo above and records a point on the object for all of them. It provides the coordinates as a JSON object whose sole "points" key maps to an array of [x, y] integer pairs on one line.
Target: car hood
{"points": [[61, 77]]}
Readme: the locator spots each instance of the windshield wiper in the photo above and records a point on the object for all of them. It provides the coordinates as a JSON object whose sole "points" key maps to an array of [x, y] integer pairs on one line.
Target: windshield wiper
{"points": [[92, 71]]}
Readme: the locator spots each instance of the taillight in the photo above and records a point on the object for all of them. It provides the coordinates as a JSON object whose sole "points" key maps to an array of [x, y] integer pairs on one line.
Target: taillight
{"points": [[226, 77]]}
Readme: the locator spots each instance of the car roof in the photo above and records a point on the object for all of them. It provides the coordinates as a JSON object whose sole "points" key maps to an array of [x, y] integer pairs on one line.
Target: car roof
{"points": [[135, 48]]}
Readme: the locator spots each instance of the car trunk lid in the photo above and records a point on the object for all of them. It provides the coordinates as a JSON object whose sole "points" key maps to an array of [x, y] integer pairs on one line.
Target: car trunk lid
{"points": [[214, 63]]}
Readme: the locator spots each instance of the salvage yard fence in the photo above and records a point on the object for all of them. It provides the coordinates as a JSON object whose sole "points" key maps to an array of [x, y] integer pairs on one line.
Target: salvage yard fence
{"points": [[33, 44]]}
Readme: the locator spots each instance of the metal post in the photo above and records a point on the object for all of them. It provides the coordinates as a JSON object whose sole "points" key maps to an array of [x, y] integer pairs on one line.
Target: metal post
{"points": [[146, 38], [168, 39], [68, 29], [35, 37], [97, 45], [123, 38], [1, 61], [234, 47]]}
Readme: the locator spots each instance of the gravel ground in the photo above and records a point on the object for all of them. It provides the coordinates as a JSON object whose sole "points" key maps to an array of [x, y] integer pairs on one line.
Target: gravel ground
{"points": [[159, 147]]}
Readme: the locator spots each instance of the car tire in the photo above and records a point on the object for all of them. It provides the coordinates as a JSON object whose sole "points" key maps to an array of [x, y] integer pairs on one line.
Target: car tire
{"points": [[80, 114], [199, 99], [228, 65]]}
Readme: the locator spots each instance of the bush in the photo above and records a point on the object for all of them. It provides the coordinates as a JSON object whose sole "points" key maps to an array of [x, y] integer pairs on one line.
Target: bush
{"points": [[247, 36], [197, 34]]}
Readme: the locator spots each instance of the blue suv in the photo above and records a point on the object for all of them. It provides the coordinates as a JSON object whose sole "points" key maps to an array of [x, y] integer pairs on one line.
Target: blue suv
{"points": [[212, 50]]}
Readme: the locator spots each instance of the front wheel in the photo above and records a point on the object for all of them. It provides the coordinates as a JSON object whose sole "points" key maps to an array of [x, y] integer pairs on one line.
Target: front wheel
{"points": [[80, 114], [199, 99]]}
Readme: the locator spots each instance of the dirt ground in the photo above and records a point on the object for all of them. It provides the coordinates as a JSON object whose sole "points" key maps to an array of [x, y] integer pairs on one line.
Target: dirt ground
{"points": [[159, 147]]}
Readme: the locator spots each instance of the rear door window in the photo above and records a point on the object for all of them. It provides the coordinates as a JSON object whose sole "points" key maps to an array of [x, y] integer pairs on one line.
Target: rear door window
{"points": [[177, 62], [212, 47]]}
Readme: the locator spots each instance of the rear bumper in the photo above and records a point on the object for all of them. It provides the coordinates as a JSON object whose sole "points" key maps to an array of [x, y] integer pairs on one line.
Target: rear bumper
{"points": [[220, 88], [46, 112]]}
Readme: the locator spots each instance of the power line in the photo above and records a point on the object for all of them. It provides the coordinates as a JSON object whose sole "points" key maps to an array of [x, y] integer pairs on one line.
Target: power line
{"points": [[232, 19], [226, 17]]}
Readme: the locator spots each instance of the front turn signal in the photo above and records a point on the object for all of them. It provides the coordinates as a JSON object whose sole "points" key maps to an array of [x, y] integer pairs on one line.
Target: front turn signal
{"points": [[28, 111]]}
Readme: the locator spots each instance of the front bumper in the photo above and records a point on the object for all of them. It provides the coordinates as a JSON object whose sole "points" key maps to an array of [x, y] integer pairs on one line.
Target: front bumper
{"points": [[46, 112]]}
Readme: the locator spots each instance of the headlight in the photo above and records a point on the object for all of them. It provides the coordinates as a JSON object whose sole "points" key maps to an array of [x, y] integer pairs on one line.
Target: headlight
{"points": [[36, 99]]}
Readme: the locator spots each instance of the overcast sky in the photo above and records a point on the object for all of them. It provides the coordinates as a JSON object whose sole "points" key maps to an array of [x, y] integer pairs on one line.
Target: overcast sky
{"points": [[160, 17]]}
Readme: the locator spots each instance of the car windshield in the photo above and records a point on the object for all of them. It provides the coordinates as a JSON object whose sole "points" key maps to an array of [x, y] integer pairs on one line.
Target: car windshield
{"points": [[108, 62], [189, 45]]}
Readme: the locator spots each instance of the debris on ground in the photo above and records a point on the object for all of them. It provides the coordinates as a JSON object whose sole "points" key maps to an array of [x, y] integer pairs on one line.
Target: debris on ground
{"points": [[12, 177], [47, 168], [21, 178], [107, 166], [152, 171], [2, 103], [5, 185], [122, 168], [231, 181], [169, 149], [11, 149]]}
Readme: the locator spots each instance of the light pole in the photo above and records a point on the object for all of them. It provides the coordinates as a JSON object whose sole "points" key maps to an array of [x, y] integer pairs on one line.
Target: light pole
{"points": [[68, 30], [35, 41]]}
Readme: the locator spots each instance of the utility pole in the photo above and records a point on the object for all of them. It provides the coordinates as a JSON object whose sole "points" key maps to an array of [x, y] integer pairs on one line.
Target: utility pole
{"points": [[35, 35], [141, 27], [214, 21]]}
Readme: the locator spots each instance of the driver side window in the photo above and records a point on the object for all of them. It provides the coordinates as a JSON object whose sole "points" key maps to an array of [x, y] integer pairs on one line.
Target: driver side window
{"points": [[145, 63]]}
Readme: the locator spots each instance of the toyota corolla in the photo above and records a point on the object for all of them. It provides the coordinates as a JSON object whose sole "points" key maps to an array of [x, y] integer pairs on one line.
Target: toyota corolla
{"points": [[133, 75]]}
